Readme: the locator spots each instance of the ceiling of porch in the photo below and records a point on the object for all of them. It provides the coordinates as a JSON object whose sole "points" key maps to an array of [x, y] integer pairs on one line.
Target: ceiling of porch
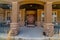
{"points": [[9, 1], [6, 4]]}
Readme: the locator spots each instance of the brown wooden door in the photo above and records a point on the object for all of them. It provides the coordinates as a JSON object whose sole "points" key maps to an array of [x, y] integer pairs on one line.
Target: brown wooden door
{"points": [[31, 17]]}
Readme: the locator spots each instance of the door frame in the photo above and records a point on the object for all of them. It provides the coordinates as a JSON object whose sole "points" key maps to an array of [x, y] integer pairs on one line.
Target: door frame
{"points": [[32, 14]]}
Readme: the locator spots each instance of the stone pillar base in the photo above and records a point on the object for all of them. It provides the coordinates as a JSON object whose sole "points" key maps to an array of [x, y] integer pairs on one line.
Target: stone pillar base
{"points": [[49, 29], [14, 29]]}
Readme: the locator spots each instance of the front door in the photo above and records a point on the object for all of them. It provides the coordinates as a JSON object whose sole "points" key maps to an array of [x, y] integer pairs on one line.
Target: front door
{"points": [[30, 18]]}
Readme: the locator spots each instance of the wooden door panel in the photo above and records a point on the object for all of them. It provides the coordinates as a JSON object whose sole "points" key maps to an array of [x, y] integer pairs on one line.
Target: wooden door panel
{"points": [[30, 19]]}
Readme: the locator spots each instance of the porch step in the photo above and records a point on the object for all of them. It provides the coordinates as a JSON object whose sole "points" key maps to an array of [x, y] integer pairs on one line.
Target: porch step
{"points": [[22, 39]]}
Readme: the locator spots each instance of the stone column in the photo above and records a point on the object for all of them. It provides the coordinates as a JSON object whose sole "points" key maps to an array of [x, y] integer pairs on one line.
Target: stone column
{"points": [[38, 17], [5, 15], [22, 17], [14, 25], [48, 26]]}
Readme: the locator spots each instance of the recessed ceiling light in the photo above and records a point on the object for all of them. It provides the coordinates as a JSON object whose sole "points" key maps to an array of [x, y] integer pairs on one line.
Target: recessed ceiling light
{"points": [[30, 5]]}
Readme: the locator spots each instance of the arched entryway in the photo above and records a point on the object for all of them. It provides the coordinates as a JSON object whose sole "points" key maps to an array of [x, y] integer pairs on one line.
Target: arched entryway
{"points": [[30, 13]]}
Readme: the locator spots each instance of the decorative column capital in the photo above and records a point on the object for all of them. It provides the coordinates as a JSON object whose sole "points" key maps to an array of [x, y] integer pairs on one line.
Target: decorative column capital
{"points": [[49, 2], [15, 2]]}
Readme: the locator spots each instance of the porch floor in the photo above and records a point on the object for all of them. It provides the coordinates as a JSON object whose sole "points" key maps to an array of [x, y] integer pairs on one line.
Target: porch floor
{"points": [[29, 33]]}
